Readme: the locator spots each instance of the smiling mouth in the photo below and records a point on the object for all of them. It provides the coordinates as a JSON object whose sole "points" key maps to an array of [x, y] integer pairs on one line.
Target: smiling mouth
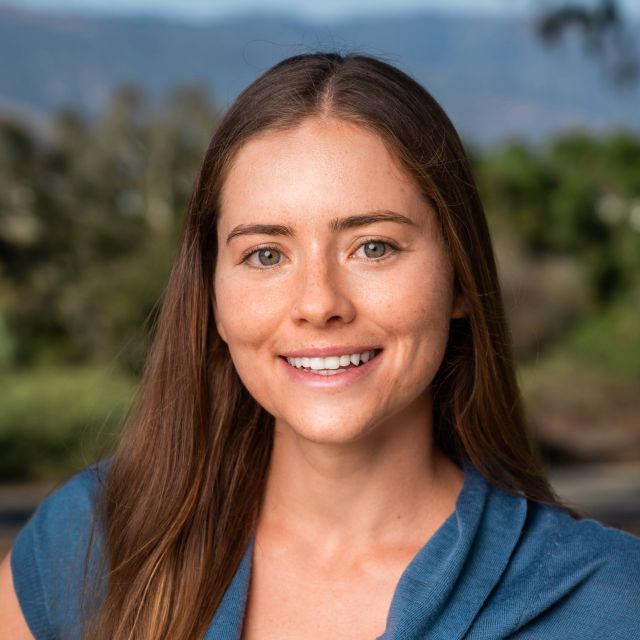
{"points": [[334, 371]]}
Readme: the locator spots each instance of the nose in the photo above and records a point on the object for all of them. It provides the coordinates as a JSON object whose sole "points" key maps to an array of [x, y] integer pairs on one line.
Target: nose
{"points": [[321, 294]]}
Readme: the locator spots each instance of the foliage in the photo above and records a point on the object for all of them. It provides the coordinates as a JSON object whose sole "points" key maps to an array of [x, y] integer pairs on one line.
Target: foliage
{"points": [[56, 420], [610, 339], [578, 197], [88, 223]]}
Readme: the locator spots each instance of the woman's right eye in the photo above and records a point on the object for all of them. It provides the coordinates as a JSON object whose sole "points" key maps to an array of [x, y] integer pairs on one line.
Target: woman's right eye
{"points": [[267, 252]]}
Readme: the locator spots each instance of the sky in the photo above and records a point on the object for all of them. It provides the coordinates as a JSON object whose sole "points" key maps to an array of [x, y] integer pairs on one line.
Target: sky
{"points": [[315, 9]]}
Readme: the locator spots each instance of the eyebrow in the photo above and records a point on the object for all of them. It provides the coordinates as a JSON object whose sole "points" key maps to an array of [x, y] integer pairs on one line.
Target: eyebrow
{"points": [[335, 224]]}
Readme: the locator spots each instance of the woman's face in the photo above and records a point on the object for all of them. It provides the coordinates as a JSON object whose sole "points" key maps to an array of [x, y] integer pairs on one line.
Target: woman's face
{"points": [[355, 262]]}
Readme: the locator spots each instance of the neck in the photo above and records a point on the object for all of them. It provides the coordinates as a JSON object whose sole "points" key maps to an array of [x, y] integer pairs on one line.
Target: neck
{"points": [[388, 487]]}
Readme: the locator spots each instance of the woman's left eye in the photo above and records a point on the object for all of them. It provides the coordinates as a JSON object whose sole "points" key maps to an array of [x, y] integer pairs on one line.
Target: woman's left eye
{"points": [[375, 249]]}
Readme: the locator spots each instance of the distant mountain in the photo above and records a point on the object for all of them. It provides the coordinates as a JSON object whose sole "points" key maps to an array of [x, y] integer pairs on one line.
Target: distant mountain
{"points": [[492, 75]]}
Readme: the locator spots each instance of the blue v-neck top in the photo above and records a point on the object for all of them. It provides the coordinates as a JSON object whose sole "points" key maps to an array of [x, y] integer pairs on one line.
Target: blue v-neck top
{"points": [[499, 567]]}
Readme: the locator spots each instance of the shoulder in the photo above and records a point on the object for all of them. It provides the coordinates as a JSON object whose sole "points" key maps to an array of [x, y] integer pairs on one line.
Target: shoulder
{"points": [[613, 555], [60, 521], [49, 555], [585, 576], [569, 542], [74, 498], [562, 577]]}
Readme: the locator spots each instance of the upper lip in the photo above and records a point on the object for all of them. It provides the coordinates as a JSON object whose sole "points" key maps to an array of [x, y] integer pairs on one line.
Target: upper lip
{"points": [[332, 350]]}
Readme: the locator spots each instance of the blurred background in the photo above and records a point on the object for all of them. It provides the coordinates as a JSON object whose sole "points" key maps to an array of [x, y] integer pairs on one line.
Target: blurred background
{"points": [[105, 111]]}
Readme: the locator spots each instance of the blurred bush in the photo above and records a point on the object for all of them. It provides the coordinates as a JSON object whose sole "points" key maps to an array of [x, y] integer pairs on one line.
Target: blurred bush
{"points": [[55, 420], [579, 196], [89, 216]]}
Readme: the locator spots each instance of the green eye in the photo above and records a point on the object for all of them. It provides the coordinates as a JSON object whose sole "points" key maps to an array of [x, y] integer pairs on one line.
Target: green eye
{"points": [[269, 255], [376, 247]]}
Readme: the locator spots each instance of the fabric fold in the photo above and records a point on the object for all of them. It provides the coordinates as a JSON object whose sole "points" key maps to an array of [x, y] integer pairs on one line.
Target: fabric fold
{"points": [[453, 575]]}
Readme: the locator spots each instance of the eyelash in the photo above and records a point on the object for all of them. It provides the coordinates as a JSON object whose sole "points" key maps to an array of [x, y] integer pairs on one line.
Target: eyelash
{"points": [[394, 249]]}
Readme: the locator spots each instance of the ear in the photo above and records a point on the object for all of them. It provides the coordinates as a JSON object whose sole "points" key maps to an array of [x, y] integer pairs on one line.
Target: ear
{"points": [[460, 307]]}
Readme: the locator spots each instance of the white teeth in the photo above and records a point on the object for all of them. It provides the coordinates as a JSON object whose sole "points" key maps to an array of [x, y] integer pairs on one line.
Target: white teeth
{"points": [[332, 362]]}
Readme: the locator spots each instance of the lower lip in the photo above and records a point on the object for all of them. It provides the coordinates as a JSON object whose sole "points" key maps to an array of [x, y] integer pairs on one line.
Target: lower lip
{"points": [[335, 381]]}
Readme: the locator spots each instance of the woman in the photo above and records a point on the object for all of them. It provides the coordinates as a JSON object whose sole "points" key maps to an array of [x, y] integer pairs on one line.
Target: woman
{"points": [[329, 440]]}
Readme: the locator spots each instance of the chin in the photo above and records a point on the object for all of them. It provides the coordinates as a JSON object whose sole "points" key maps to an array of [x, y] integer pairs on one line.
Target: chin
{"points": [[324, 433]]}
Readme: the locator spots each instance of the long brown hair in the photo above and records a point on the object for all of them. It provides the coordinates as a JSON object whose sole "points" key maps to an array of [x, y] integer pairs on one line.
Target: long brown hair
{"points": [[181, 494]]}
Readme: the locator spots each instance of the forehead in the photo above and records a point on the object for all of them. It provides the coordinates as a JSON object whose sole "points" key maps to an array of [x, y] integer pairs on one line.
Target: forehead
{"points": [[322, 165]]}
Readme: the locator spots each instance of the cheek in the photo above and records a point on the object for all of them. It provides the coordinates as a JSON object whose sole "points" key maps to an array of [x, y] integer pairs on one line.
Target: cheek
{"points": [[244, 317], [415, 301], [421, 327], [246, 321], [416, 315]]}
